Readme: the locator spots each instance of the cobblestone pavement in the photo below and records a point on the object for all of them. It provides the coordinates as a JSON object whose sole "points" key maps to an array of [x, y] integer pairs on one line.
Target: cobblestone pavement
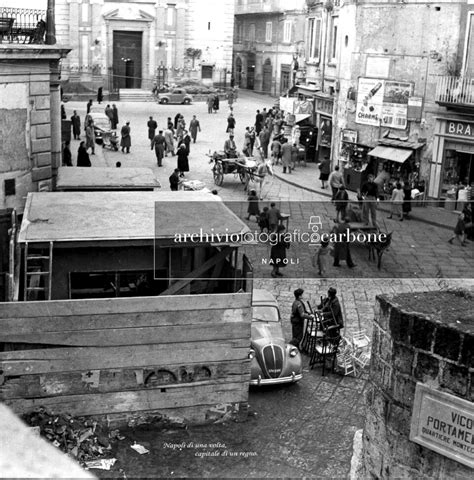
{"points": [[418, 250], [294, 431]]}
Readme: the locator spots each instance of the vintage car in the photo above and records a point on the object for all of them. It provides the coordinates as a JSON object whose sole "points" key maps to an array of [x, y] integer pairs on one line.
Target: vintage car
{"points": [[101, 125], [273, 360], [175, 95]]}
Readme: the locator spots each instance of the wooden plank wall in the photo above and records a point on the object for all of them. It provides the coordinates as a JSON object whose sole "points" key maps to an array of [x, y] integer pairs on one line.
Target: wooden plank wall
{"points": [[123, 358]]}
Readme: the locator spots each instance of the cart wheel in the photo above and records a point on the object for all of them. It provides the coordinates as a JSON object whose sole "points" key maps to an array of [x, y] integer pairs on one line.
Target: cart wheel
{"points": [[218, 174]]}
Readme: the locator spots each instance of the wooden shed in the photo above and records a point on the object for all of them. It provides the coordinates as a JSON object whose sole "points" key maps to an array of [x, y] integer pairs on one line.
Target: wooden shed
{"points": [[75, 179], [95, 348]]}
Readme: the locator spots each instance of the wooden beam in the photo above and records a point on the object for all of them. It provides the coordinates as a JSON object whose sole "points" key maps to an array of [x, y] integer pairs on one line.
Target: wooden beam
{"points": [[196, 273]]}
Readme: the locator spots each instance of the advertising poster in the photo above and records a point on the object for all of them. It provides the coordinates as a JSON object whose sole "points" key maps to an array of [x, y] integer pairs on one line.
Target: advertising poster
{"points": [[395, 104], [369, 101]]}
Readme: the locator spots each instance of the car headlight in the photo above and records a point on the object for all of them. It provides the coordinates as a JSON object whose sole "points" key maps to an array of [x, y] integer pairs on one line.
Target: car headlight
{"points": [[251, 354], [293, 352]]}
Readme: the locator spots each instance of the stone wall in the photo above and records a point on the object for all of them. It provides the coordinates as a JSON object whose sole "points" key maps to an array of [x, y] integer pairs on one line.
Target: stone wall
{"points": [[418, 337]]}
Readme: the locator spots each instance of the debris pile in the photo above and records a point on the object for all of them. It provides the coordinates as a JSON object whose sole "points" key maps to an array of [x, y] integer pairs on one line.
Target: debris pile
{"points": [[82, 438]]}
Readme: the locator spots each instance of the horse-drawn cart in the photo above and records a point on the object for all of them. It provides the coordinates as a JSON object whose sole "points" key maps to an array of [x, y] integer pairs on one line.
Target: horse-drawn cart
{"points": [[243, 167]]}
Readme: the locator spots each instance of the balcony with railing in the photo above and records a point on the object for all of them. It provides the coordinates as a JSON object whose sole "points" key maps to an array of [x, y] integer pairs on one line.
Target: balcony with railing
{"points": [[456, 93], [22, 25]]}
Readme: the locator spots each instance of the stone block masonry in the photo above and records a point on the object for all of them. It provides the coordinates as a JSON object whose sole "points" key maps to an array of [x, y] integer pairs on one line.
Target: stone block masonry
{"points": [[421, 337]]}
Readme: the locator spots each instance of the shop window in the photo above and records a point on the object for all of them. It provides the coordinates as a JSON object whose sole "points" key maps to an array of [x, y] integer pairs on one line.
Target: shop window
{"points": [[268, 32], [458, 168], [117, 284]]}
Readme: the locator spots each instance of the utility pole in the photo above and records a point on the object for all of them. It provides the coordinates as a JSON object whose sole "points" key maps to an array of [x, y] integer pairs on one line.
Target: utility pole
{"points": [[50, 24]]}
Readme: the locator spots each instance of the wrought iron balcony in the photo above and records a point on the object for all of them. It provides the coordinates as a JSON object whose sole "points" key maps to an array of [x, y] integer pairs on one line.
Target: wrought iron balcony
{"points": [[22, 25], [455, 92]]}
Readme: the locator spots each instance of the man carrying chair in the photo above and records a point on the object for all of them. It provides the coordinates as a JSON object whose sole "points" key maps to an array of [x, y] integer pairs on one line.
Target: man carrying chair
{"points": [[332, 312], [298, 316]]}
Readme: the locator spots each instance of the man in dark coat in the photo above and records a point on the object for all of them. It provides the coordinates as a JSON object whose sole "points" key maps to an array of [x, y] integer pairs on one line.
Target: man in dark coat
{"points": [[110, 114], [76, 125], [258, 122], [100, 95], [183, 163], [216, 103], [152, 126], [174, 180], [115, 117], [83, 159], [331, 306], [126, 140], [159, 143], [89, 105], [194, 128]]}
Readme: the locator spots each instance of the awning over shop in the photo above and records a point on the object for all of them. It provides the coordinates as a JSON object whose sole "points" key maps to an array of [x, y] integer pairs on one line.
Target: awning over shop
{"points": [[299, 117], [398, 155]]}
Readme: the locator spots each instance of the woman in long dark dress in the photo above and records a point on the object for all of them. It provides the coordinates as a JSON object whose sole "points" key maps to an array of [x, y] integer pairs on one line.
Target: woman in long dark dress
{"points": [[253, 208], [278, 252], [83, 159], [183, 163]]}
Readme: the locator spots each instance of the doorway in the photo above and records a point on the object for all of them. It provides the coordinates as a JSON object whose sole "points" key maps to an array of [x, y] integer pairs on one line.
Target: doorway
{"points": [[238, 72], [127, 59], [251, 59]]}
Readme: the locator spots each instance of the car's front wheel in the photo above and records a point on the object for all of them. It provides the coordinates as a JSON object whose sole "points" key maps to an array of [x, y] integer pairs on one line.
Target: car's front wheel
{"points": [[186, 101], [164, 101]]}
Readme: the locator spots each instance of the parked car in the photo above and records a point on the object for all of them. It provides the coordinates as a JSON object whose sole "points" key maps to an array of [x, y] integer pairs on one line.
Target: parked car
{"points": [[273, 361], [101, 124], [175, 95]]}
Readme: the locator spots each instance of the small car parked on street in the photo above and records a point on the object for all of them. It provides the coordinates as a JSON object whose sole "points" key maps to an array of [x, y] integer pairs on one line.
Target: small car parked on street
{"points": [[273, 360], [175, 95], [101, 125]]}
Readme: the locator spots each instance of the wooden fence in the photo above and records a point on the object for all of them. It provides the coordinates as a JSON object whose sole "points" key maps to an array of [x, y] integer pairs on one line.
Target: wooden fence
{"points": [[123, 358]]}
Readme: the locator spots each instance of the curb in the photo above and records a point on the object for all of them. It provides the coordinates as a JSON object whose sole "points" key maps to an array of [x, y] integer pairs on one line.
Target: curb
{"points": [[413, 217]]}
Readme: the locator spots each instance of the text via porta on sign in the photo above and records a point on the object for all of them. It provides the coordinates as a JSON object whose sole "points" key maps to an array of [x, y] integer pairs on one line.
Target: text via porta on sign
{"points": [[443, 423]]}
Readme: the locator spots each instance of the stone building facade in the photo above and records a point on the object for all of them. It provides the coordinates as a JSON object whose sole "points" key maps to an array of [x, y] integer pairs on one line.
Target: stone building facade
{"points": [[268, 44], [391, 70], [127, 44], [30, 120]]}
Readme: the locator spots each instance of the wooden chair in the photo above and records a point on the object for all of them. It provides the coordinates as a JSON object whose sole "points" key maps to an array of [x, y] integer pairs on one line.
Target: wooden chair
{"points": [[345, 361], [312, 332], [326, 349]]}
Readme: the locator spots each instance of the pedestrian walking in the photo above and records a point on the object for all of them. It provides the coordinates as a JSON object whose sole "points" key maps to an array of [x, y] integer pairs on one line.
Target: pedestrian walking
{"points": [[369, 192], [76, 125], [258, 122], [186, 141], [83, 159], [175, 180], [397, 202], [262, 171], [67, 156], [276, 151], [274, 217], [230, 99], [325, 170], [341, 201], [253, 208], [210, 103], [335, 180], [63, 113], [406, 200], [159, 143], [115, 121], [342, 250], [246, 150], [152, 126], [230, 124], [90, 137], [278, 252], [169, 141], [110, 114], [264, 137], [88, 106], [286, 155], [263, 220], [194, 128], [320, 260], [100, 95], [215, 104], [460, 231], [176, 120], [183, 162], [298, 317], [126, 140]]}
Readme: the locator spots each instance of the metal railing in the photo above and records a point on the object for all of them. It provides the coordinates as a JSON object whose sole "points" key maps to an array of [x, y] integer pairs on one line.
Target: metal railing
{"points": [[455, 90], [22, 25]]}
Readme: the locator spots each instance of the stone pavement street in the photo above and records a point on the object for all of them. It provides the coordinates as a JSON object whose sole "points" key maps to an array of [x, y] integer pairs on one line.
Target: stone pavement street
{"points": [[418, 249], [304, 430]]}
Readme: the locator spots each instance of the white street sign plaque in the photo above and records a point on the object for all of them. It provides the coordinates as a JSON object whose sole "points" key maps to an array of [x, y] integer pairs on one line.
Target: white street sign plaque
{"points": [[443, 423]]}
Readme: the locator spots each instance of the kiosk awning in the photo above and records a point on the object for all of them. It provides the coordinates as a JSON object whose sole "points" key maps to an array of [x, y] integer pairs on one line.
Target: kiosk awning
{"points": [[398, 155], [299, 117]]}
